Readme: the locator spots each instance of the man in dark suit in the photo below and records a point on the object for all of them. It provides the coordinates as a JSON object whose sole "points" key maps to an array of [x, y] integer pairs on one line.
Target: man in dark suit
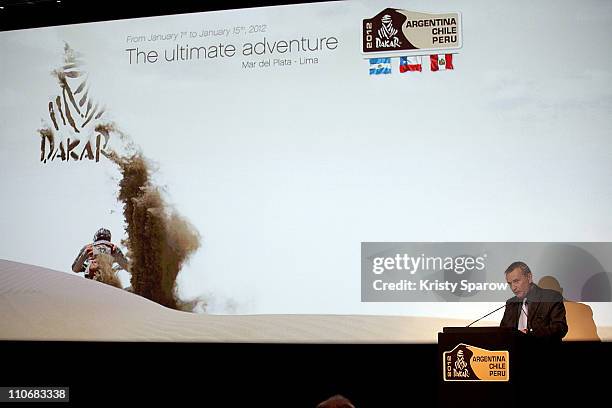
{"points": [[533, 310]]}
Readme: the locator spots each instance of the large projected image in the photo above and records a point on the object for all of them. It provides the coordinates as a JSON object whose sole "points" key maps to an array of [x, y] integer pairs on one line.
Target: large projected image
{"points": [[278, 165]]}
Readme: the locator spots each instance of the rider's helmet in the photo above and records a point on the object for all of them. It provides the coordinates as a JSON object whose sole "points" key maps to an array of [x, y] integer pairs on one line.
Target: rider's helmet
{"points": [[102, 235]]}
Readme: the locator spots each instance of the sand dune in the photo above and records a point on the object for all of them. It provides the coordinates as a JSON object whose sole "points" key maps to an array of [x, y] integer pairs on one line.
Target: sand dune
{"points": [[43, 304]]}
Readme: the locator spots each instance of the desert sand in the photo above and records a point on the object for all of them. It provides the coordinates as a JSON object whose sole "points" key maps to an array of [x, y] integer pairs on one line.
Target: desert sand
{"points": [[43, 304]]}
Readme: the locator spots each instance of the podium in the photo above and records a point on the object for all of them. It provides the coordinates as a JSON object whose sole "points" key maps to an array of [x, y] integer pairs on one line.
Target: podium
{"points": [[481, 366]]}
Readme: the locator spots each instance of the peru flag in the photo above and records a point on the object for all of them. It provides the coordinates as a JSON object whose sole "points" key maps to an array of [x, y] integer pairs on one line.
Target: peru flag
{"points": [[408, 64], [440, 62]]}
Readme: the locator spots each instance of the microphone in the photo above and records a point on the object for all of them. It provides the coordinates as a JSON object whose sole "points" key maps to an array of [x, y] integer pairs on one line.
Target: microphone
{"points": [[490, 313]]}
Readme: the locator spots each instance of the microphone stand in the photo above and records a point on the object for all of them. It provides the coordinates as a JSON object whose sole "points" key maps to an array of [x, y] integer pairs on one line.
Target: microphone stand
{"points": [[501, 307]]}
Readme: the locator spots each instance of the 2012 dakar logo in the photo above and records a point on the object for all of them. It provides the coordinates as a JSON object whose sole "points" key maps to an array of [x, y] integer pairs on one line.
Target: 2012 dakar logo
{"points": [[403, 30], [470, 363]]}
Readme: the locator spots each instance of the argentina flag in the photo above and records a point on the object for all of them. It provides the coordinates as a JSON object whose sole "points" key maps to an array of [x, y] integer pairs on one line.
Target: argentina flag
{"points": [[380, 66]]}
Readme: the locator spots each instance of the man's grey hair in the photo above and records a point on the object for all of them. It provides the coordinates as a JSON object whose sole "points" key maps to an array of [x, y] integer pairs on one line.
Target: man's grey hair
{"points": [[520, 265]]}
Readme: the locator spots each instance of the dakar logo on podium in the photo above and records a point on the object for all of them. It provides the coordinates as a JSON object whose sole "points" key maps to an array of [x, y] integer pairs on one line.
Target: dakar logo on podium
{"points": [[469, 363]]}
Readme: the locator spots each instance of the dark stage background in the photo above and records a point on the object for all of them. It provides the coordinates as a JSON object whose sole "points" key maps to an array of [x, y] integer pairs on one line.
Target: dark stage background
{"points": [[279, 375]]}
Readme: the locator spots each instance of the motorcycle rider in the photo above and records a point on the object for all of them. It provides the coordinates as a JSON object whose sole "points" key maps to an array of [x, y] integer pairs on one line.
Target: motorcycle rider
{"points": [[86, 259]]}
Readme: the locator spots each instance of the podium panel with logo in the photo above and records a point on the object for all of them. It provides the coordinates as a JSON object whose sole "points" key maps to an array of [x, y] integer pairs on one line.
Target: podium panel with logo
{"points": [[480, 366]]}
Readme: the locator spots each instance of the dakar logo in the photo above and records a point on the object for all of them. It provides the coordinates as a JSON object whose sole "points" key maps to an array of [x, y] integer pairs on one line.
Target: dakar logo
{"points": [[75, 134], [388, 32], [460, 363], [469, 363], [460, 370], [383, 32], [395, 31]]}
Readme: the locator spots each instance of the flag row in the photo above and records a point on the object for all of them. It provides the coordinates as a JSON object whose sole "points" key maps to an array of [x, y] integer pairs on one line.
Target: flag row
{"points": [[381, 66]]}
